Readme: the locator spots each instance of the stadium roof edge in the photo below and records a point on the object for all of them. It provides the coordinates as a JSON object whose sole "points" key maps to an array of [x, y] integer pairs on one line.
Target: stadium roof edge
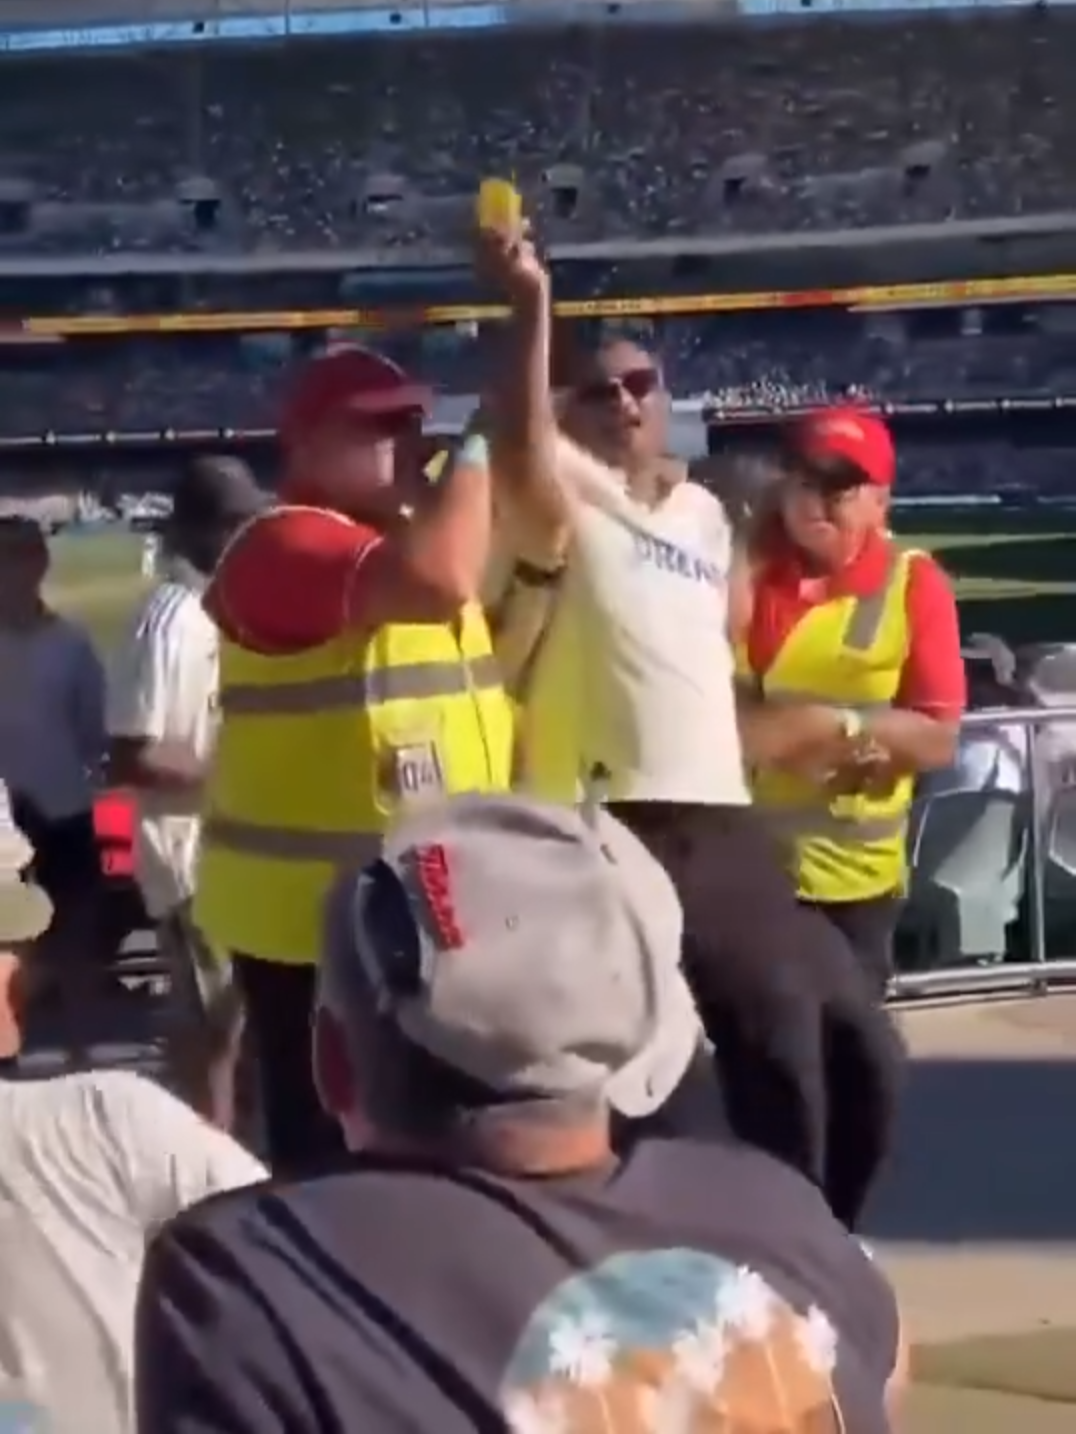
{"points": [[337, 260]]}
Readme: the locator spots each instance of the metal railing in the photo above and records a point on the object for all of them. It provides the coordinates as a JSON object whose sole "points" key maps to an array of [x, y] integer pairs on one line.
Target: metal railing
{"points": [[1039, 973]]}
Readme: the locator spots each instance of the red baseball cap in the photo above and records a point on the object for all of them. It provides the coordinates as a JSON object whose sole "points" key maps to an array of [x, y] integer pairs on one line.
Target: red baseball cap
{"points": [[349, 379], [852, 434]]}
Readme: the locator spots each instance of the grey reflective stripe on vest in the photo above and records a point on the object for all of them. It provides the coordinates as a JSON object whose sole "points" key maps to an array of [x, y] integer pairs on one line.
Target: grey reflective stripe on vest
{"points": [[860, 635], [284, 844], [804, 823], [414, 681], [824, 699], [865, 619]]}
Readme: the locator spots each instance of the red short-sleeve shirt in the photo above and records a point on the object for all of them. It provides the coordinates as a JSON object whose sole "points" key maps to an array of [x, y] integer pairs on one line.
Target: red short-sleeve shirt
{"points": [[291, 580], [933, 680]]}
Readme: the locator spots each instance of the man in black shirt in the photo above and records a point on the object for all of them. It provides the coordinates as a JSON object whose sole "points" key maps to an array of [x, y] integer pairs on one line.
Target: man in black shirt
{"points": [[502, 979]]}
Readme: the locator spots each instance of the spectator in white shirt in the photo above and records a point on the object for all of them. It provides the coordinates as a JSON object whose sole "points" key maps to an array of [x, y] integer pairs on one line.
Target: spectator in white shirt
{"points": [[162, 720], [51, 750], [93, 1165], [25, 913], [630, 697]]}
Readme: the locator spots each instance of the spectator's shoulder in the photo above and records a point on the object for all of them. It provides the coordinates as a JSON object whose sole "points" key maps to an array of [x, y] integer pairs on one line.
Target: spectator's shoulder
{"points": [[238, 1217], [927, 579], [131, 1108], [282, 583], [919, 558], [225, 1216], [693, 494], [294, 529], [694, 498], [99, 1104], [284, 539]]}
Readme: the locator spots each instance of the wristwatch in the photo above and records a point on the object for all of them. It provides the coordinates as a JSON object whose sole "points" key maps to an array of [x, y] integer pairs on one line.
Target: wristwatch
{"points": [[852, 723]]}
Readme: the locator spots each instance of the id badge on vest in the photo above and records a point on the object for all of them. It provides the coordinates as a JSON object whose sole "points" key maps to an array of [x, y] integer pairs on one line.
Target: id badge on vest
{"points": [[412, 768]]}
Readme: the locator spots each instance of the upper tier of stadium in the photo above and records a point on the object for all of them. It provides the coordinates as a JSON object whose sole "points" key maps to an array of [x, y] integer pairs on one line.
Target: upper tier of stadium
{"points": [[219, 16], [623, 129]]}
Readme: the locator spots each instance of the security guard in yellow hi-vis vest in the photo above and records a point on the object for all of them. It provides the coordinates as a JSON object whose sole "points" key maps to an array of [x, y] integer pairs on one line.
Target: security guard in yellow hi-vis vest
{"points": [[356, 676], [851, 678]]}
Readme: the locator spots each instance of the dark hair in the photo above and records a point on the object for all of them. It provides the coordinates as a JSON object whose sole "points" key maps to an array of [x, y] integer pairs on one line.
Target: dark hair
{"points": [[25, 535], [216, 489], [745, 483], [20, 525], [213, 497]]}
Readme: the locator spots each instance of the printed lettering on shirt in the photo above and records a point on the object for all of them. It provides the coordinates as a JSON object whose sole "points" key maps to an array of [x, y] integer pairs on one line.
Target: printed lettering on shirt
{"points": [[670, 558], [672, 1340]]}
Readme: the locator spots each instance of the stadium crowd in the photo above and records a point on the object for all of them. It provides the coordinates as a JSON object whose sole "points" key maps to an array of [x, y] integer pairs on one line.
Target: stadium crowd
{"points": [[140, 385], [375, 856], [532, 934], [623, 130], [737, 365], [812, 364]]}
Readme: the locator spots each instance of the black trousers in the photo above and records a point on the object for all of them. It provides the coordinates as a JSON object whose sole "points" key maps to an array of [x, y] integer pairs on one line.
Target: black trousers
{"points": [[869, 928], [66, 862], [808, 1062], [278, 1003]]}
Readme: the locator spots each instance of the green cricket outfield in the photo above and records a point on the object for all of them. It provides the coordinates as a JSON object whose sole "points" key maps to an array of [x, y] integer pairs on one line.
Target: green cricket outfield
{"points": [[1018, 584]]}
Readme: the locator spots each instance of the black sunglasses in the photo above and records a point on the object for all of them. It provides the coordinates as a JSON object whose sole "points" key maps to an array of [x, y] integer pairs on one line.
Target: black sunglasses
{"points": [[638, 383]]}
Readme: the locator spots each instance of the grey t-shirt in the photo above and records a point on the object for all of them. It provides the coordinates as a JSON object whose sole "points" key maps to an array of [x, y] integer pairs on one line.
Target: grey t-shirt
{"points": [[393, 1296]]}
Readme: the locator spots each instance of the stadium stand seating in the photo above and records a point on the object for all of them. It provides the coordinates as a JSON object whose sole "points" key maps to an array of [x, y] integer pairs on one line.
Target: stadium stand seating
{"points": [[146, 386], [968, 856], [787, 124], [616, 131], [138, 385]]}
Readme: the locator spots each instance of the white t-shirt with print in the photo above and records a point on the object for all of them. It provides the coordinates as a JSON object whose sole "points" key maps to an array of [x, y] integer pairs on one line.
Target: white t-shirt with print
{"points": [[92, 1165], [163, 688], [644, 615]]}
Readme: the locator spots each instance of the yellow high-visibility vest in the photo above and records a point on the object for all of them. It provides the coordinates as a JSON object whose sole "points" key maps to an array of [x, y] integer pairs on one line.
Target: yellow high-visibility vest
{"points": [[848, 652], [316, 752]]}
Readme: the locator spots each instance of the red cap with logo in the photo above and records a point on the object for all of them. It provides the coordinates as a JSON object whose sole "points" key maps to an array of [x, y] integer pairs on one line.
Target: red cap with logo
{"points": [[349, 379], [852, 434]]}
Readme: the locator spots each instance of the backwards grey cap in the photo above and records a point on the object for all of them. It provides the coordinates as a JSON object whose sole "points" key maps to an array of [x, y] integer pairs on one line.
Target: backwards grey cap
{"points": [[547, 959]]}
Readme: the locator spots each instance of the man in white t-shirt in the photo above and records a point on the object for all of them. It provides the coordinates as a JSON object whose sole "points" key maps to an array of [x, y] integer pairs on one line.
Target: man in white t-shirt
{"points": [[162, 720], [629, 700], [92, 1165]]}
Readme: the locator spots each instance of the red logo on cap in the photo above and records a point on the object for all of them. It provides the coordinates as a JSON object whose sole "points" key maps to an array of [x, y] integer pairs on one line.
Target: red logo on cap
{"points": [[434, 881]]}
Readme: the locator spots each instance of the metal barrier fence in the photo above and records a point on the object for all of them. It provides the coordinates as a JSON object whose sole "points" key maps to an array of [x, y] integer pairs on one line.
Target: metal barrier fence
{"points": [[1039, 974]]}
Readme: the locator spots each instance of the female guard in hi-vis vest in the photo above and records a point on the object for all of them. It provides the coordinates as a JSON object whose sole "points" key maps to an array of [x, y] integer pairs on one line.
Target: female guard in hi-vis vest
{"points": [[851, 677], [356, 677]]}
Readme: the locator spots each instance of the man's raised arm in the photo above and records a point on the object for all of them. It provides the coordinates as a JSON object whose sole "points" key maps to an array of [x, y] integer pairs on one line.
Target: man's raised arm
{"points": [[522, 423], [298, 576]]}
